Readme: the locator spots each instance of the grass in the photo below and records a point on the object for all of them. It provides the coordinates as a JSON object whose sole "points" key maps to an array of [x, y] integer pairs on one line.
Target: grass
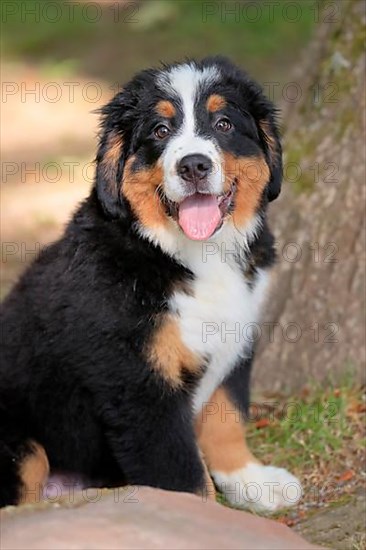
{"points": [[319, 436], [359, 542], [119, 43]]}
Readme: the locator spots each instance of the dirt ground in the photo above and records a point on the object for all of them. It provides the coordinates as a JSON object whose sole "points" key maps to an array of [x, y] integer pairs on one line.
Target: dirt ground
{"points": [[340, 527], [47, 153]]}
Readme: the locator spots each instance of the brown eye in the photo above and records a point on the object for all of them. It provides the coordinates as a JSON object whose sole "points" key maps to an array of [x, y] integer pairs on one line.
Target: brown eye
{"points": [[161, 131], [223, 125]]}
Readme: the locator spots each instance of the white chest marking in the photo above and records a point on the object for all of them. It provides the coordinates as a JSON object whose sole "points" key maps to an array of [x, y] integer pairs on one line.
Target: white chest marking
{"points": [[216, 321]]}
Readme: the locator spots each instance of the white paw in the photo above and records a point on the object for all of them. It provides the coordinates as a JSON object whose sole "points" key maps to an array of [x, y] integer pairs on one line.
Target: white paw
{"points": [[259, 488]]}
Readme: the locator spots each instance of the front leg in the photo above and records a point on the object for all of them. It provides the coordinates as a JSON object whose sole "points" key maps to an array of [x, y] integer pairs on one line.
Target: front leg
{"points": [[243, 480], [154, 443]]}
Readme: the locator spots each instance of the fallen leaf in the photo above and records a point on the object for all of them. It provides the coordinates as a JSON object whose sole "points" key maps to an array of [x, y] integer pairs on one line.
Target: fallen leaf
{"points": [[305, 392], [262, 423], [281, 519], [286, 521], [346, 476]]}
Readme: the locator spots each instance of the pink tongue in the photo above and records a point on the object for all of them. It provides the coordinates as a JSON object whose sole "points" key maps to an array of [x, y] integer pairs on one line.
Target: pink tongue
{"points": [[199, 216]]}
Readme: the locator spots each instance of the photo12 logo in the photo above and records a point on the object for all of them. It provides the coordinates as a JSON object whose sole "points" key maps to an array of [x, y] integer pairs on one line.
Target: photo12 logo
{"points": [[48, 172], [271, 10], [291, 252], [71, 492], [252, 332], [69, 12]]}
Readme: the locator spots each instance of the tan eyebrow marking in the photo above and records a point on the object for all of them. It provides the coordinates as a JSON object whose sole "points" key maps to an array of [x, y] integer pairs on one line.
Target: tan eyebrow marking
{"points": [[215, 103], [165, 108]]}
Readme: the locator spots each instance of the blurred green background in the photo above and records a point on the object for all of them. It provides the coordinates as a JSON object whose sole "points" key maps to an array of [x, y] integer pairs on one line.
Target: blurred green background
{"points": [[63, 60], [114, 39]]}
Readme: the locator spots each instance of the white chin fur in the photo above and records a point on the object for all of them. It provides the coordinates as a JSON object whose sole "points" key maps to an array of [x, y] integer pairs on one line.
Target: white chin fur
{"points": [[259, 488]]}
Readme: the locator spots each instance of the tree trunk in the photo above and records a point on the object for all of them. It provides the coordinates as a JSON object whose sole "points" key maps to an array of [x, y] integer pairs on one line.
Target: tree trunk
{"points": [[317, 298]]}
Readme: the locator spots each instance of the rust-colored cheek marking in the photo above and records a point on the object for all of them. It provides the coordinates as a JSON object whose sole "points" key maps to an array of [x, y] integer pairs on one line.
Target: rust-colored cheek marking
{"points": [[141, 190], [270, 140], [168, 355], [252, 175], [221, 434], [109, 163], [165, 108], [215, 103], [34, 472]]}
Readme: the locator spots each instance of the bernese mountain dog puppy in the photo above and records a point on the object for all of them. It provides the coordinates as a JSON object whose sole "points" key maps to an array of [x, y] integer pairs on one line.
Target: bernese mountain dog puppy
{"points": [[125, 350]]}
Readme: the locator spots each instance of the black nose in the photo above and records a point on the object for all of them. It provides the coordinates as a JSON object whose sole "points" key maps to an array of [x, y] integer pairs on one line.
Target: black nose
{"points": [[194, 167]]}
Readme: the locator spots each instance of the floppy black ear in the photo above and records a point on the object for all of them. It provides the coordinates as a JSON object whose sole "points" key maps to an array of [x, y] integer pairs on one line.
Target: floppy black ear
{"points": [[272, 144], [110, 157]]}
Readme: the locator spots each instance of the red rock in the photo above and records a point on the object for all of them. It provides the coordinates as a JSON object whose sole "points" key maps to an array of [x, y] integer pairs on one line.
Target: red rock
{"points": [[140, 518]]}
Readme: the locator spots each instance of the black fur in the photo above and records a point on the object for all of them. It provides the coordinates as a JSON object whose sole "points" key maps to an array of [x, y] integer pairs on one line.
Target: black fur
{"points": [[238, 385], [73, 373], [73, 333]]}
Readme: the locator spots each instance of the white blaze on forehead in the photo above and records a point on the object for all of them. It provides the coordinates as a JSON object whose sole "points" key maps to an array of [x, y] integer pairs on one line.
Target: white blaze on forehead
{"points": [[185, 82]]}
